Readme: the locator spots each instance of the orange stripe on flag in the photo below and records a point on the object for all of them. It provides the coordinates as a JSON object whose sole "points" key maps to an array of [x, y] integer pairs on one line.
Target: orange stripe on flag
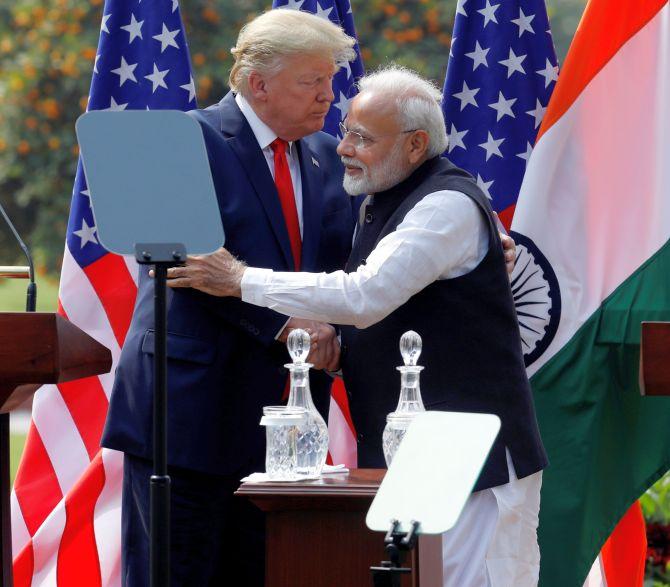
{"points": [[625, 551], [36, 485], [603, 30], [78, 562]]}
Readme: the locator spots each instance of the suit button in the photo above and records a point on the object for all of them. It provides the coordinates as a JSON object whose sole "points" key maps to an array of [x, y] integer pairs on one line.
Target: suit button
{"points": [[369, 218], [360, 437]]}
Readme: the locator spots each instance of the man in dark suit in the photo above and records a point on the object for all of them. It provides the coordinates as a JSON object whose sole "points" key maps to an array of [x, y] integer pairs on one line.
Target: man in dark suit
{"points": [[278, 183]]}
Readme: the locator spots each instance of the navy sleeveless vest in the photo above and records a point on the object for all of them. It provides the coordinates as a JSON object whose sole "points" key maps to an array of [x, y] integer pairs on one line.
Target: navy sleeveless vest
{"points": [[471, 344]]}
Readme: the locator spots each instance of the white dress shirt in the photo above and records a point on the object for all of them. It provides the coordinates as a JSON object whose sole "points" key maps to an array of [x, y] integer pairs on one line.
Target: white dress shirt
{"points": [[443, 236], [265, 135]]}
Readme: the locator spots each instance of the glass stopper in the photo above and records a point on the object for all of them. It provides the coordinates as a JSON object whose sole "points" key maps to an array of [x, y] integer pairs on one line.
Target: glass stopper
{"points": [[410, 348], [298, 344]]}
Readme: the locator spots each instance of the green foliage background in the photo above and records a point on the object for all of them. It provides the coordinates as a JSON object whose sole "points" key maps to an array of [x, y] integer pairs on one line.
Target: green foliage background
{"points": [[47, 51]]}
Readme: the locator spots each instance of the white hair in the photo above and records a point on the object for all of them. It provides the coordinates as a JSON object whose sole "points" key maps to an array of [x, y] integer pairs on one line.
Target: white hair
{"points": [[267, 39], [417, 99]]}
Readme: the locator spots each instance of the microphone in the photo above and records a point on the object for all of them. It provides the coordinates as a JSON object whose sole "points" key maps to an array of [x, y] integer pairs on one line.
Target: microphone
{"points": [[21, 272]]}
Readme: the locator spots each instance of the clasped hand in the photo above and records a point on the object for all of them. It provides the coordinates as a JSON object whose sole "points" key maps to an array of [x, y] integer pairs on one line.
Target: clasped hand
{"points": [[325, 348]]}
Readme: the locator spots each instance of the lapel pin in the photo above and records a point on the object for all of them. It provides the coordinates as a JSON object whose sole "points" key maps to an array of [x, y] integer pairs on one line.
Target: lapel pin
{"points": [[315, 162]]}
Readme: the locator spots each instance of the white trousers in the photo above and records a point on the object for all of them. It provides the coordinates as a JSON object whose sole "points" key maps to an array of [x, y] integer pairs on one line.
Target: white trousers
{"points": [[494, 542]]}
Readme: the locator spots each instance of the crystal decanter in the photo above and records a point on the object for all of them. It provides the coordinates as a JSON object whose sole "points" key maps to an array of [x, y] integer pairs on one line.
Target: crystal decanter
{"points": [[312, 439], [410, 402]]}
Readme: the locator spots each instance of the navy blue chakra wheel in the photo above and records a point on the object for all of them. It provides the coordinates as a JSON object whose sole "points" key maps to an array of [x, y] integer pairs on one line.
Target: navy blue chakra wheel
{"points": [[537, 298]]}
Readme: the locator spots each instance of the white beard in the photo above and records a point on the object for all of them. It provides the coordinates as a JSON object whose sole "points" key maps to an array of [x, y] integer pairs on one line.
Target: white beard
{"points": [[391, 171]]}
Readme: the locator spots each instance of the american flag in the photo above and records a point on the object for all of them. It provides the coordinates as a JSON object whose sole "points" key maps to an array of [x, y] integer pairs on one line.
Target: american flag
{"points": [[502, 70], [342, 447], [66, 501]]}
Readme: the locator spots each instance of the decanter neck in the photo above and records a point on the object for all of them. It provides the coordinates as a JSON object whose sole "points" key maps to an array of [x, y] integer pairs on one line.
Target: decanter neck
{"points": [[410, 391], [300, 395]]}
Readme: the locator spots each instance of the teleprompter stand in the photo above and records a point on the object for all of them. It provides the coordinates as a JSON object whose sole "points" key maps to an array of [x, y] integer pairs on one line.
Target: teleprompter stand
{"points": [[161, 256], [397, 545], [153, 196], [429, 480]]}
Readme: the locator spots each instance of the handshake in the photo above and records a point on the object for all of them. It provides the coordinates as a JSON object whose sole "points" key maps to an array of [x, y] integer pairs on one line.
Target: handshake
{"points": [[325, 346]]}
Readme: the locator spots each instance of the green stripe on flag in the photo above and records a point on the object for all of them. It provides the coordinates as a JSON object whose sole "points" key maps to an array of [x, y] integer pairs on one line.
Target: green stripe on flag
{"points": [[606, 443]]}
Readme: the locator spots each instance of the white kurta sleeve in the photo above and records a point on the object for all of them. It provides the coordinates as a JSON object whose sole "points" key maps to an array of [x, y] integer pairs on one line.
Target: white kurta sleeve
{"points": [[443, 236]]}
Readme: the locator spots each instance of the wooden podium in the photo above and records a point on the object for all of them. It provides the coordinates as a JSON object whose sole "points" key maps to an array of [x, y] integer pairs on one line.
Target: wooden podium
{"points": [[316, 532], [36, 348], [655, 358]]}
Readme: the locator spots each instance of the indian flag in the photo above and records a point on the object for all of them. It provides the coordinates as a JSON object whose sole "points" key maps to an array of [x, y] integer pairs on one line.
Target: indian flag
{"points": [[592, 225]]}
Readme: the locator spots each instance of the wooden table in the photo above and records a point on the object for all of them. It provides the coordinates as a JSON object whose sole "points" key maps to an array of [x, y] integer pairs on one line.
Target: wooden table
{"points": [[316, 532]]}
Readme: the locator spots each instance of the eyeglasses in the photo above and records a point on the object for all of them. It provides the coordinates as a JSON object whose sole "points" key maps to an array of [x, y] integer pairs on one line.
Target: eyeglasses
{"points": [[362, 141]]}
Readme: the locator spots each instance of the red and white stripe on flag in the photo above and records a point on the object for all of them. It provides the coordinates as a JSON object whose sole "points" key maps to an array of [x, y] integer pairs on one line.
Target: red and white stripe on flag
{"points": [[341, 431], [66, 502]]}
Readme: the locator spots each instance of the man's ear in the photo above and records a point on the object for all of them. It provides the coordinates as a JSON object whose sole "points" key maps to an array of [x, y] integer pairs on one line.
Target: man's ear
{"points": [[257, 86], [418, 145]]}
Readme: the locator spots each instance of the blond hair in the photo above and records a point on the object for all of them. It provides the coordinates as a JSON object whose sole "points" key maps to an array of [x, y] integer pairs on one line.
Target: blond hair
{"points": [[268, 38]]}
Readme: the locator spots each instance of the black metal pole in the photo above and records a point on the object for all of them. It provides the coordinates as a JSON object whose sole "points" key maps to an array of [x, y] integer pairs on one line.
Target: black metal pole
{"points": [[160, 481], [31, 297], [396, 543], [31, 294]]}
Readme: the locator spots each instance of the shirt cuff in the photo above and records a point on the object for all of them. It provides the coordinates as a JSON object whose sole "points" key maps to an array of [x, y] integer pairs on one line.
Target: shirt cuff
{"points": [[279, 332], [253, 285]]}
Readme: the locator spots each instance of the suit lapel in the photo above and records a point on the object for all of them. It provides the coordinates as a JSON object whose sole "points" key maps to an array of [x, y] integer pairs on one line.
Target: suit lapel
{"points": [[242, 141], [312, 205]]}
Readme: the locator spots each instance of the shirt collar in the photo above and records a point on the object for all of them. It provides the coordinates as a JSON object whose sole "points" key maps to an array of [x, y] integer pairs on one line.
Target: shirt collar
{"points": [[263, 133]]}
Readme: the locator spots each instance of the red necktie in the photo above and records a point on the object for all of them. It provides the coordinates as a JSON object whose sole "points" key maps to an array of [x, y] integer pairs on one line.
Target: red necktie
{"points": [[287, 198]]}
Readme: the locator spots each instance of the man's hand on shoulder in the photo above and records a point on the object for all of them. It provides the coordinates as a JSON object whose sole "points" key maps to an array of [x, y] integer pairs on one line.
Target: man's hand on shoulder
{"points": [[509, 250], [218, 274], [508, 245], [325, 350]]}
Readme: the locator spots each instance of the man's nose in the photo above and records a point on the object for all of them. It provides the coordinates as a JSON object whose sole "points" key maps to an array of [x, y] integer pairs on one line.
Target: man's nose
{"points": [[326, 94], [346, 147]]}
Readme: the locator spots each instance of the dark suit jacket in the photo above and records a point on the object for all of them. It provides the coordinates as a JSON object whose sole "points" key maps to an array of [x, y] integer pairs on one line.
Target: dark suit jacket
{"points": [[223, 361]]}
